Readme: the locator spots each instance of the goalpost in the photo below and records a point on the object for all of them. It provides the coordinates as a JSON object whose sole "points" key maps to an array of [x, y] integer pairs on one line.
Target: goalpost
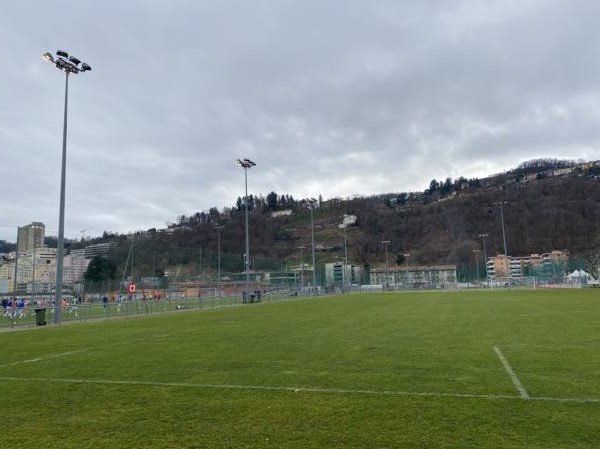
{"points": [[513, 282]]}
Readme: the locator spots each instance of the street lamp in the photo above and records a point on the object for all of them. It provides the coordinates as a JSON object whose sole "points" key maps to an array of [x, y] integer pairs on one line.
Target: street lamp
{"points": [[387, 273], [71, 66], [311, 202], [246, 164]]}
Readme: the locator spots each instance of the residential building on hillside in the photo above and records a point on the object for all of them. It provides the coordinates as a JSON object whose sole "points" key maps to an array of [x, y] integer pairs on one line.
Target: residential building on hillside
{"points": [[36, 270], [31, 236], [349, 220], [281, 213], [75, 266], [7, 273], [502, 266], [98, 249]]}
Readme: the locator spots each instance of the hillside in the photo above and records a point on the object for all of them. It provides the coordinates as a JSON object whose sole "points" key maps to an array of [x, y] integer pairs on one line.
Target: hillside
{"points": [[546, 205]]}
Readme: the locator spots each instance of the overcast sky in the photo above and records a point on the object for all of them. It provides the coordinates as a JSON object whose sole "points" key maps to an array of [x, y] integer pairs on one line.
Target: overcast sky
{"points": [[329, 97]]}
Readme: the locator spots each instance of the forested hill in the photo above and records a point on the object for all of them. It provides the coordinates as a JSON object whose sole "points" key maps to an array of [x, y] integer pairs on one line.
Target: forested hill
{"points": [[546, 205]]}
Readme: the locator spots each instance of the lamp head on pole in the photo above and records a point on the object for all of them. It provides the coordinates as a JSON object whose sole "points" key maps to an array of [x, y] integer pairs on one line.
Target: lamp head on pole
{"points": [[66, 63], [311, 203], [246, 163]]}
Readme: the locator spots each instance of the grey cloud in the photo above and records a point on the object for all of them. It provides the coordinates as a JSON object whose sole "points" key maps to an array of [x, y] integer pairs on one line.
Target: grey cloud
{"points": [[334, 98]]}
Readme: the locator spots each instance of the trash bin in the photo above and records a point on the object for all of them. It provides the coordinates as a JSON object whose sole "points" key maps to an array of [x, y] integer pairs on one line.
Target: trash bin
{"points": [[40, 317]]}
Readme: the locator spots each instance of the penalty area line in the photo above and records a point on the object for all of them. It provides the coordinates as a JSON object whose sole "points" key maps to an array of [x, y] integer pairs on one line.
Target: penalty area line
{"points": [[515, 380], [300, 389]]}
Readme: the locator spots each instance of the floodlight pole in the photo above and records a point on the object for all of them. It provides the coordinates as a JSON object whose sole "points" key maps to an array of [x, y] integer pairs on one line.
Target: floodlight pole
{"points": [[345, 252], [247, 258], [301, 247], [311, 205], [387, 274], [406, 256], [69, 65], [246, 164], [15, 285], [500, 204], [483, 237], [476, 251], [218, 229], [61, 217]]}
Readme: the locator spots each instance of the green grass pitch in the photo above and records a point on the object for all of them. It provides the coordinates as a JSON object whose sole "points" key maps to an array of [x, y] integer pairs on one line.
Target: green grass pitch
{"points": [[465, 369]]}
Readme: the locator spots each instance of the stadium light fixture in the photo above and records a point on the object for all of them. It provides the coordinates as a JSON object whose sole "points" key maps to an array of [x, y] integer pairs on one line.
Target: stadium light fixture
{"points": [[501, 204], [246, 164], [386, 243], [311, 204], [71, 66], [483, 237]]}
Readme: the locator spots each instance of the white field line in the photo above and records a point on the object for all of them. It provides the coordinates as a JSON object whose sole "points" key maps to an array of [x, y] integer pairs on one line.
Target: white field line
{"points": [[298, 389], [551, 347], [570, 312], [515, 380], [40, 359]]}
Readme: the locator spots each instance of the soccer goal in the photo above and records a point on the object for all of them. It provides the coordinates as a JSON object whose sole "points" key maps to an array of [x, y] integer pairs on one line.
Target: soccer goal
{"points": [[513, 282]]}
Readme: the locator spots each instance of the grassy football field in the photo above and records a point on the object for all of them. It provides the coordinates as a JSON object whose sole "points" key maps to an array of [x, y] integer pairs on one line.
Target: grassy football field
{"points": [[466, 369]]}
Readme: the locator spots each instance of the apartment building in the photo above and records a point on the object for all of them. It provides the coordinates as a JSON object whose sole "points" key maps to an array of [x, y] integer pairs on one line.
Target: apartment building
{"points": [[510, 266], [31, 236]]}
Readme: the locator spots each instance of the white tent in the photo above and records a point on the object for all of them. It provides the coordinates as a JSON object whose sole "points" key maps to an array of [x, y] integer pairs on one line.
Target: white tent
{"points": [[580, 276]]}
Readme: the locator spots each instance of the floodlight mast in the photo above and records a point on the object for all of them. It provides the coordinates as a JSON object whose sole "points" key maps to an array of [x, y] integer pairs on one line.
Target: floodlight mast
{"points": [[71, 66], [301, 247], [387, 272], [218, 228], [345, 224], [483, 236], [311, 202], [246, 164], [501, 204]]}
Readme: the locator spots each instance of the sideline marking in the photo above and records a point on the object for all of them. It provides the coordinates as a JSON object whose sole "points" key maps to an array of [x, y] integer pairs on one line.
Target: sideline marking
{"points": [[300, 389], [40, 359], [515, 380]]}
